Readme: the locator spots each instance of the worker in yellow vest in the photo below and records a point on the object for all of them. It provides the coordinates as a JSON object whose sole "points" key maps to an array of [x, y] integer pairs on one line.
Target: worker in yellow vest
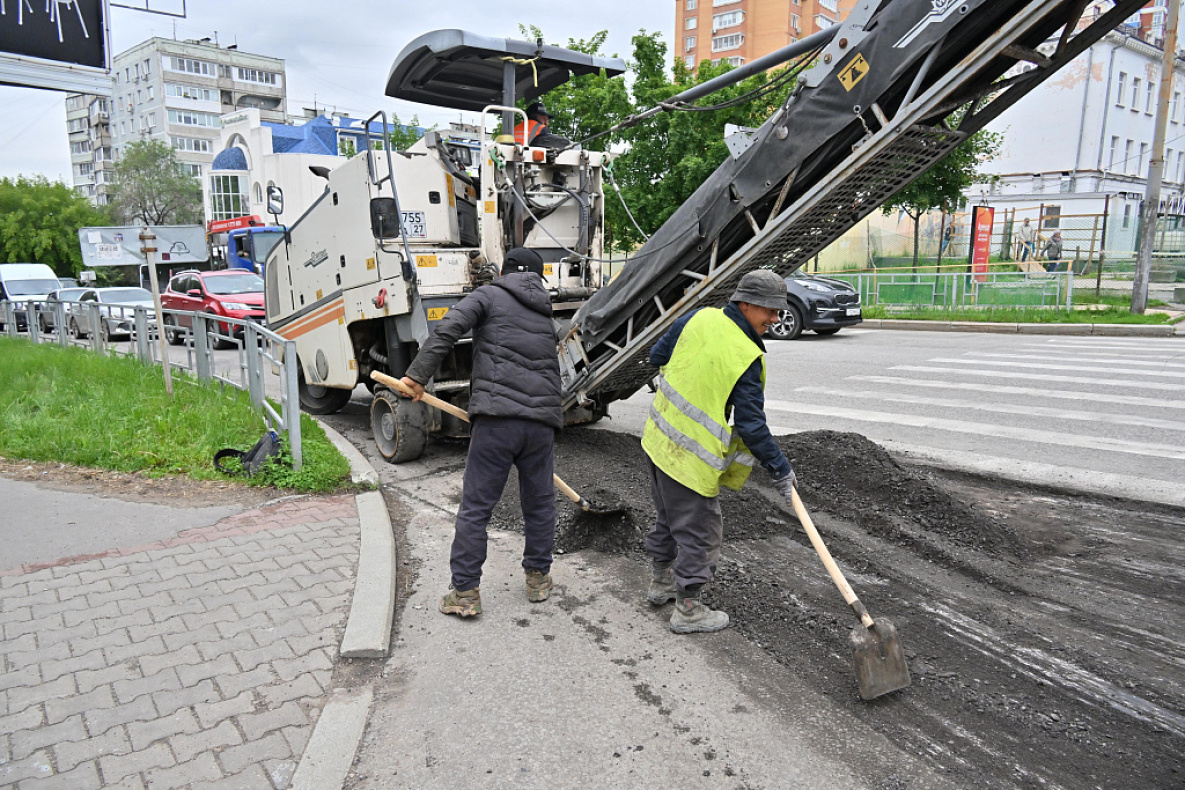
{"points": [[712, 366]]}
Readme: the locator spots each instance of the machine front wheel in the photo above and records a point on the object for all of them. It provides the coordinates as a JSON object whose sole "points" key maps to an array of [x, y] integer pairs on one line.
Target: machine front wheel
{"points": [[400, 426]]}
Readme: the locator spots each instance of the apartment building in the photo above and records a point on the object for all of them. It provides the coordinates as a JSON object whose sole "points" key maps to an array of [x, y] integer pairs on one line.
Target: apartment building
{"points": [[88, 129], [738, 31], [176, 92]]}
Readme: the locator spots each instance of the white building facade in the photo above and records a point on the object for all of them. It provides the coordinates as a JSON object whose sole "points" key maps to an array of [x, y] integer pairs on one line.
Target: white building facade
{"points": [[176, 92], [1081, 143]]}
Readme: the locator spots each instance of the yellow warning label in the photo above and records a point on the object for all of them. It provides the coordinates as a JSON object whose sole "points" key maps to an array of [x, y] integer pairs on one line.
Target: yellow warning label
{"points": [[853, 72], [369, 264], [353, 364], [426, 261], [318, 293], [548, 269], [491, 207], [436, 313], [452, 197]]}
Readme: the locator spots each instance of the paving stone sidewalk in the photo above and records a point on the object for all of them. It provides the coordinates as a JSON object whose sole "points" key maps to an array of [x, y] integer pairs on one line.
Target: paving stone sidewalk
{"points": [[201, 661]]}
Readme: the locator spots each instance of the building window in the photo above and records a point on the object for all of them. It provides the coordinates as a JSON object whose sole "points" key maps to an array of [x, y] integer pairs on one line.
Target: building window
{"points": [[193, 118], [1053, 217], [1127, 156], [1121, 89], [830, 5], [1114, 150], [724, 2], [734, 61], [691, 5], [690, 23], [823, 22], [1038, 182], [191, 169], [1148, 98], [150, 94], [257, 75], [227, 199], [85, 168], [190, 92], [258, 193], [81, 147], [76, 125], [190, 66], [194, 144], [1180, 166], [1135, 93], [727, 20], [720, 43], [795, 23], [1140, 161], [1175, 104], [151, 120], [689, 43], [689, 61], [147, 67], [1127, 216]]}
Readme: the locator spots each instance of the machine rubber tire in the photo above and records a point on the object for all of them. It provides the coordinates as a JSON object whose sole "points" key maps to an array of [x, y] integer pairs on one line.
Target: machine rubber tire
{"points": [[320, 400], [830, 331], [789, 325], [399, 425], [173, 333]]}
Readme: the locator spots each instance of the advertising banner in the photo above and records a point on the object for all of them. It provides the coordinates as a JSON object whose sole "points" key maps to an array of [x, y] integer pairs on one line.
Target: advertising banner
{"points": [[56, 45], [175, 244], [981, 240]]}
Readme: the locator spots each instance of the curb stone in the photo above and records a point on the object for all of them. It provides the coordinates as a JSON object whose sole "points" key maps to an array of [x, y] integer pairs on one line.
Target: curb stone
{"points": [[334, 742], [361, 472]]}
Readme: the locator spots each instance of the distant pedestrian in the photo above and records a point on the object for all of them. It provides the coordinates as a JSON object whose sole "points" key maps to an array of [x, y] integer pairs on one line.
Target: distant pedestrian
{"points": [[1027, 235], [1053, 252], [515, 408]]}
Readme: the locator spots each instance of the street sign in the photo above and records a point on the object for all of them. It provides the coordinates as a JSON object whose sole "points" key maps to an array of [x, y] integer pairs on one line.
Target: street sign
{"points": [[175, 244], [234, 223], [56, 45]]}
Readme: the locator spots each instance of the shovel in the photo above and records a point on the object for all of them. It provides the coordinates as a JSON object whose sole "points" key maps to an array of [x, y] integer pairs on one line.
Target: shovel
{"points": [[880, 661], [432, 400]]}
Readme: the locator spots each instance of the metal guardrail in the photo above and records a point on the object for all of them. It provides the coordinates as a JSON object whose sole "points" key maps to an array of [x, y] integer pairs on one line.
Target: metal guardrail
{"points": [[258, 349], [960, 289]]}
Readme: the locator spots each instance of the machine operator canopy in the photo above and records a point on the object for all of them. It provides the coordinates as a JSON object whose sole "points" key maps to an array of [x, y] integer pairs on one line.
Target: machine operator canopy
{"points": [[465, 71]]}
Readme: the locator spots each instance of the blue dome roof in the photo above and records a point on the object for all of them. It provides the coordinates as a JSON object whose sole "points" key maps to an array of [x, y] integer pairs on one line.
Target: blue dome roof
{"points": [[230, 159]]}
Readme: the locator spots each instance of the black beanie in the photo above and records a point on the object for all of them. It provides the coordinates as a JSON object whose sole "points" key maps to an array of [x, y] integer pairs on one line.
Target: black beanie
{"points": [[521, 259]]}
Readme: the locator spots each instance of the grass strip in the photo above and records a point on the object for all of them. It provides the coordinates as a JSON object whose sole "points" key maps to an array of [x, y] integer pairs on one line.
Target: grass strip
{"points": [[77, 407], [1019, 315]]}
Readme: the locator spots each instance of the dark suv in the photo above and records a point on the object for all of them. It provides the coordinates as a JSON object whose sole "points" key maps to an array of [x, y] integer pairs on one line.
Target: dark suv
{"points": [[820, 304], [235, 293]]}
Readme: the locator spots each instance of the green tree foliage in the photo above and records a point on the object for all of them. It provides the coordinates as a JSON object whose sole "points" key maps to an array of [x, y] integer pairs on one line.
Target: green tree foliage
{"points": [[39, 222], [405, 135], [943, 185], [151, 188]]}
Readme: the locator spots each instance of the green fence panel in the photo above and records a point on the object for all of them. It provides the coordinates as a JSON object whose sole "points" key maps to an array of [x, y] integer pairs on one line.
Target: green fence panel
{"points": [[1012, 295], [905, 293]]}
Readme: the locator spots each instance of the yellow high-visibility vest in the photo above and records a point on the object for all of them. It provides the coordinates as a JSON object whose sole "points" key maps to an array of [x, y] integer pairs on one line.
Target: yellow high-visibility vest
{"points": [[687, 434]]}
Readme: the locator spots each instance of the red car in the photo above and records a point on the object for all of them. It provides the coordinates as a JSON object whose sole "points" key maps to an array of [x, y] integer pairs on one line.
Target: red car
{"points": [[233, 293]]}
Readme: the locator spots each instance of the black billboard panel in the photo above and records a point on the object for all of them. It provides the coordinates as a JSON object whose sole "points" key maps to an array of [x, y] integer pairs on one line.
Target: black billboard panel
{"points": [[64, 32]]}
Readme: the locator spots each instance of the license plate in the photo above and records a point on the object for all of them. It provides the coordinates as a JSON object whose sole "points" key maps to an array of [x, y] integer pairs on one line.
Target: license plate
{"points": [[853, 311], [415, 225]]}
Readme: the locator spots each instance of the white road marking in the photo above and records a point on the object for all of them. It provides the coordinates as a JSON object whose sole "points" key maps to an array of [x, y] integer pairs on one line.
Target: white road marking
{"points": [[1004, 374], [1092, 397], [1076, 368], [1093, 360]]}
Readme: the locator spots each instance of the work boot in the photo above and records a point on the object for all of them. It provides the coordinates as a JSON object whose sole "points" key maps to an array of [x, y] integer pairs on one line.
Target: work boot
{"points": [[464, 603], [692, 615], [662, 584], [538, 586]]}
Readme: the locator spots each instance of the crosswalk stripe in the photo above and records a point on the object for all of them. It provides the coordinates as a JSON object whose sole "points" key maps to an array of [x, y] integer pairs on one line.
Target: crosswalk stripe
{"points": [[1004, 408], [981, 429], [1004, 374], [1128, 353], [1062, 358], [1079, 368], [1033, 392]]}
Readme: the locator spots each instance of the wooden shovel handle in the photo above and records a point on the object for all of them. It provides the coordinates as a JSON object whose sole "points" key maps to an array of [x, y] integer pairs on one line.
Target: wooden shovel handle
{"points": [[432, 400], [829, 563]]}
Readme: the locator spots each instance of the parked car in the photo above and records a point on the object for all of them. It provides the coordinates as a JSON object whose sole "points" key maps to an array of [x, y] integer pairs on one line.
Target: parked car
{"points": [[47, 310], [117, 314], [21, 283], [820, 304], [233, 293]]}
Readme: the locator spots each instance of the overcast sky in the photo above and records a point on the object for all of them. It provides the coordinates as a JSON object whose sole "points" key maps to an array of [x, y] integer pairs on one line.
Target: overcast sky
{"points": [[336, 54]]}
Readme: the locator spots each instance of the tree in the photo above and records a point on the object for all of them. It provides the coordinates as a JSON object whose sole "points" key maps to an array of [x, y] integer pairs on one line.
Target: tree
{"points": [[39, 222], [943, 185], [151, 188]]}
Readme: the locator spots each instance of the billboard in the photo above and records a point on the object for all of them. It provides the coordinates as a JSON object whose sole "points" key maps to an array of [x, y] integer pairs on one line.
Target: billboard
{"points": [[175, 244], [982, 219], [56, 45]]}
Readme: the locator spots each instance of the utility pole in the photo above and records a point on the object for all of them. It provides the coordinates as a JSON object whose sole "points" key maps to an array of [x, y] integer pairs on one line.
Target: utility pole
{"points": [[1156, 166]]}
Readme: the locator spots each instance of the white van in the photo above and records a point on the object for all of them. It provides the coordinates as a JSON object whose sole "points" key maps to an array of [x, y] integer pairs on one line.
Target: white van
{"points": [[22, 282]]}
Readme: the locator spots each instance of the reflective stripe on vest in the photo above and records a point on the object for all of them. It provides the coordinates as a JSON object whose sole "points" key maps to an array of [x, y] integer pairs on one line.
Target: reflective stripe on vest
{"points": [[687, 435]]}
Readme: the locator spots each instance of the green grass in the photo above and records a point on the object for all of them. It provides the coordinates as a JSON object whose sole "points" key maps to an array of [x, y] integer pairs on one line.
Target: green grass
{"points": [[1020, 315], [87, 409]]}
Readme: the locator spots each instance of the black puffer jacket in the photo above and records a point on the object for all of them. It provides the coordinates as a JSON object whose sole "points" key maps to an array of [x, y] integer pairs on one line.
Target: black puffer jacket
{"points": [[516, 369]]}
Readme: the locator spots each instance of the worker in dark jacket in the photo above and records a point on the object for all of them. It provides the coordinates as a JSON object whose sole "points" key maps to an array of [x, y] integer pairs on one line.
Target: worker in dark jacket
{"points": [[515, 410], [712, 366]]}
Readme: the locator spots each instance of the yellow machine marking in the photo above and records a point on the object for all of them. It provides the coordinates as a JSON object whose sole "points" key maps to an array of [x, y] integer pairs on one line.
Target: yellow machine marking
{"points": [[436, 313], [452, 197], [370, 264], [319, 295], [491, 207], [426, 261], [548, 269], [853, 72]]}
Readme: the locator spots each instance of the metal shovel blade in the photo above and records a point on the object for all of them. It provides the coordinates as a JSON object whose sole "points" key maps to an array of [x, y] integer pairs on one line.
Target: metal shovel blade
{"points": [[880, 661]]}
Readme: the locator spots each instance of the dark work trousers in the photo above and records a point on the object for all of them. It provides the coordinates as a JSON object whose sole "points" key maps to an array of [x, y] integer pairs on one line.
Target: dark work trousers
{"points": [[496, 444], [687, 529]]}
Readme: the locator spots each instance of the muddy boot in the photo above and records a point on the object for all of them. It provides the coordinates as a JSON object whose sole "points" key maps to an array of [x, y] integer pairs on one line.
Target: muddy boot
{"points": [[464, 603], [538, 586], [692, 615], [662, 584]]}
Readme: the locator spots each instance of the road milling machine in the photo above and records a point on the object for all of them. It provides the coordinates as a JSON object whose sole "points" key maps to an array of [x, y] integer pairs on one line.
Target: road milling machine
{"points": [[881, 97]]}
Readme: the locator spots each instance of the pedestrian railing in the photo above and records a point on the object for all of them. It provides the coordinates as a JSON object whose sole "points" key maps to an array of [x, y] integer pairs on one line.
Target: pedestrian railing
{"points": [[261, 359], [961, 289]]}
